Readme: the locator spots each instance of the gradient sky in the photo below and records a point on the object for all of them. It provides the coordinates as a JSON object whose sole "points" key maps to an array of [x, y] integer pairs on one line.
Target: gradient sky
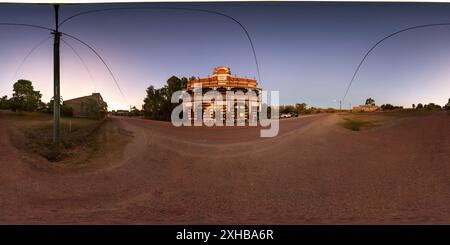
{"points": [[307, 51]]}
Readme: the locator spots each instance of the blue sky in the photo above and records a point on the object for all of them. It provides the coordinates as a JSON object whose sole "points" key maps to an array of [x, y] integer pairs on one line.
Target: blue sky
{"points": [[307, 51]]}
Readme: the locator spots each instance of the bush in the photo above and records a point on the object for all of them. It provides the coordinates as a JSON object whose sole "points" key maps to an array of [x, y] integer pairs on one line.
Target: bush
{"points": [[4, 103], [433, 106], [385, 107], [66, 111]]}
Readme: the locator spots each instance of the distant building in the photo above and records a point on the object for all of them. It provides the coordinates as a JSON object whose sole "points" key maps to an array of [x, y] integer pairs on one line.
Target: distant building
{"points": [[222, 81], [365, 108], [121, 113], [91, 106]]}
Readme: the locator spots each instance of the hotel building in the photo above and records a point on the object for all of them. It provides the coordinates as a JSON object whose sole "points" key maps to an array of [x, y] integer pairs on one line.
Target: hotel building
{"points": [[244, 107]]}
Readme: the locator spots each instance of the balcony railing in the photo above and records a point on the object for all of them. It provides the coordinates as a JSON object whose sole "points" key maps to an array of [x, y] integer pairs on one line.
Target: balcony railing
{"points": [[215, 84]]}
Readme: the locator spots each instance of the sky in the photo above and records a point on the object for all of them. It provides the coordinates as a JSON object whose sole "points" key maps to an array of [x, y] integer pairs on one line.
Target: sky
{"points": [[306, 51]]}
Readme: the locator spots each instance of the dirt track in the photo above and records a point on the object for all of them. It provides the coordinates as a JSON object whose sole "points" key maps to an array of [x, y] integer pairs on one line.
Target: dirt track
{"points": [[313, 172]]}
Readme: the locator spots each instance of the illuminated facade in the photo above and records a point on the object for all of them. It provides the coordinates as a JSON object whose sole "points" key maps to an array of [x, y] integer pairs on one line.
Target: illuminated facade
{"points": [[244, 106]]}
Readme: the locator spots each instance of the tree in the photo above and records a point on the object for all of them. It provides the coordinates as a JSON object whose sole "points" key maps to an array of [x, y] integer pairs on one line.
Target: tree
{"points": [[447, 106], [419, 106], [432, 106], [4, 103], [413, 106], [301, 108], [134, 112], [370, 102], [287, 109], [25, 98], [153, 103], [157, 103], [387, 107], [96, 109], [175, 84]]}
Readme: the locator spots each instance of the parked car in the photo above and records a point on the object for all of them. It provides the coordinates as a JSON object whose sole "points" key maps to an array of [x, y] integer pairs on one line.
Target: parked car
{"points": [[285, 115]]}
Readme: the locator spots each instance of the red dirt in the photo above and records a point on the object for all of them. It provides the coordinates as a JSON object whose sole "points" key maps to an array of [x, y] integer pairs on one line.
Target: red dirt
{"points": [[313, 172]]}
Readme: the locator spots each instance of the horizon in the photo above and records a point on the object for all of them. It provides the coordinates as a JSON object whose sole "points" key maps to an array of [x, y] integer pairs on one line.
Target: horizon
{"points": [[307, 51]]}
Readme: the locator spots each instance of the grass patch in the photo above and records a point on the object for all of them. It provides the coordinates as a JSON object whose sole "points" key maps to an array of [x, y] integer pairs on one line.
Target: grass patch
{"points": [[406, 113], [362, 120], [33, 132], [357, 125]]}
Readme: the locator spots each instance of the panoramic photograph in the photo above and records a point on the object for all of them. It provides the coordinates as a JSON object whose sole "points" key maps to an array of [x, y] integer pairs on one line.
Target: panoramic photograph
{"points": [[225, 113]]}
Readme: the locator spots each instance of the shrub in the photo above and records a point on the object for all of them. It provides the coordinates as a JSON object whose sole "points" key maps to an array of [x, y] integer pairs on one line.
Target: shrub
{"points": [[66, 111]]}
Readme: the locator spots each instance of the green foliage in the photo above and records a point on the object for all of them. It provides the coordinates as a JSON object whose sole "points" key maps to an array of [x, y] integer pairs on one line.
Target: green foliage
{"points": [[51, 104], [25, 98], [134, 112], [432, 106], [302, 109], [4, 103], [370, 101], [66, 111], [287, 109], [386, 107], [95, 109], [157, 104]]}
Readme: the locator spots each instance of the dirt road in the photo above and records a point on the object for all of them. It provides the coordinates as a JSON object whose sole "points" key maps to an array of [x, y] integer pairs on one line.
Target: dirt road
{"points": [[313, 172]]}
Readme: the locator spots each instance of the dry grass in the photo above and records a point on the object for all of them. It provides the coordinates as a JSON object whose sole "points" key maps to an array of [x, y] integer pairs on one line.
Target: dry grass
{"points": [[32, 132], [357, 125], [366, 120]]}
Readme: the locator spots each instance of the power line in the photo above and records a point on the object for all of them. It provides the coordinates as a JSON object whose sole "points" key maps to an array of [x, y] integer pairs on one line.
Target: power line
{"points": [[379, 42], [177, 8], [103, 61], [29, 54], [75, 38], [25, 25], [82, 61]]}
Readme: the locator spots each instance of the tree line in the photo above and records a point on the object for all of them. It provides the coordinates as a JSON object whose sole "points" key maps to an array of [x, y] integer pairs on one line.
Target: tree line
{"points": [[429, 106], [26, 98], [303, 109], [388, 107], [157, 103]]}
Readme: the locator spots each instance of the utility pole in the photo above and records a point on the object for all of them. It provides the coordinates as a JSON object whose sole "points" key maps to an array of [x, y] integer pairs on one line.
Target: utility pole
{"points": [[340, 105], [56, 80]]}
